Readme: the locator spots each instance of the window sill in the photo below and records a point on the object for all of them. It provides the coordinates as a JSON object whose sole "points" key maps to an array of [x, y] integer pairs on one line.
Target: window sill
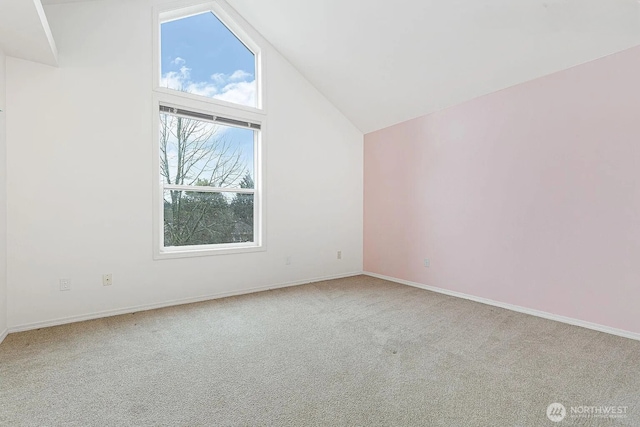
{"points": [[191, 252]]}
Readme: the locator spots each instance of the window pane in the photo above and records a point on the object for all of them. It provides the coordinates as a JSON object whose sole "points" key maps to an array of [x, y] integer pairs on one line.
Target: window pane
{"points": [[194, 152], [199, 55], [196, 218]]}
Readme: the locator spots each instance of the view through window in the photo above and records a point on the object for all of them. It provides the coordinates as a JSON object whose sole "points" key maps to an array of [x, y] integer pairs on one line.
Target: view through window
{"points": [[200, 55], [207, 161]]}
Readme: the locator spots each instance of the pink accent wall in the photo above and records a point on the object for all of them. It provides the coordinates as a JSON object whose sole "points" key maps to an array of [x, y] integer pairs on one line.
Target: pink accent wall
{"points": [[528, 196]]}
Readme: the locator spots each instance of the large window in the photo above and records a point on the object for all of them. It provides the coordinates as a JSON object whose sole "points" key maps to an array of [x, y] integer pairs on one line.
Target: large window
{"points": [[208, 141], [201, 56]]}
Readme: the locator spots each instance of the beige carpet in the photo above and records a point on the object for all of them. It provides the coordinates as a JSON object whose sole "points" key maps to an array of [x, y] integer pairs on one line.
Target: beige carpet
{"points": [[357, 352]]}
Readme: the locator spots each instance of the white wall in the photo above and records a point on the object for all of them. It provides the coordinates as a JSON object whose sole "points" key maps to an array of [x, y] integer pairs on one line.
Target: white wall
{"points": [[3, 204], [79, 140]]}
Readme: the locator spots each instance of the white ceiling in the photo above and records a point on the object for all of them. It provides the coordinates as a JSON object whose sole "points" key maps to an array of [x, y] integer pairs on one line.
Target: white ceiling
{"points": [[25, 33], [383, 62]]}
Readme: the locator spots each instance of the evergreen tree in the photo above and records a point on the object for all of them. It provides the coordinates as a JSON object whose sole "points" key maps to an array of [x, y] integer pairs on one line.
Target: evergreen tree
{"points": [[242, 207], [192, 153]]}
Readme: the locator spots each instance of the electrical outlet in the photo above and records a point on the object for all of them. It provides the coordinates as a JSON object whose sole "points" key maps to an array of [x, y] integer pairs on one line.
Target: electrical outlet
{"points": [[288, 261], [427, 263], [107, 279], [65, 284], [339, 254]]}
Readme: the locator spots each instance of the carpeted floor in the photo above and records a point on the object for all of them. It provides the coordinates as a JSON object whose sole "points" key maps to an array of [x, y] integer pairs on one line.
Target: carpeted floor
{"points": [[357, 351]]}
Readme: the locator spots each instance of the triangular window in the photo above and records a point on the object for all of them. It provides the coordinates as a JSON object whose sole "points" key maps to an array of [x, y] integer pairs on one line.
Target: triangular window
{"points": [[200, 55]]}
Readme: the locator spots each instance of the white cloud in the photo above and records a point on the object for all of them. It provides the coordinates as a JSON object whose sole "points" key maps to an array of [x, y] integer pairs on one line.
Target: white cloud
{"points": [[243, 93], [219, 78], [175, 79], [178, 61], [235, 87], [239, 75]]}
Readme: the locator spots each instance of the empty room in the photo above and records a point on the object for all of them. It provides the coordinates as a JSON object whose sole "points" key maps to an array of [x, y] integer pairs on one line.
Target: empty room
{"points": [[329, 213]]}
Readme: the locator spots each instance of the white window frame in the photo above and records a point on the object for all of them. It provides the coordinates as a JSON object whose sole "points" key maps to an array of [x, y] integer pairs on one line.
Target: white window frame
{"points": [[200, 104]]}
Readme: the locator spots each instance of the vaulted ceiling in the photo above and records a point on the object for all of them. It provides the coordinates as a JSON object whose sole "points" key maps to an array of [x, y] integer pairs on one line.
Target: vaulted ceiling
{"points": [[383, 62]]}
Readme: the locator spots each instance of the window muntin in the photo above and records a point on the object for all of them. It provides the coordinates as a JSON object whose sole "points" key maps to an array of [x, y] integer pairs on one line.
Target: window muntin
{"points": [[201, 56]]}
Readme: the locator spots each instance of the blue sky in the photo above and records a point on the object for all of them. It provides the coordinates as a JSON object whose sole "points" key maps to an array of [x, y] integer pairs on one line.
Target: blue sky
{"points": [[206, 46], [201, 56]]}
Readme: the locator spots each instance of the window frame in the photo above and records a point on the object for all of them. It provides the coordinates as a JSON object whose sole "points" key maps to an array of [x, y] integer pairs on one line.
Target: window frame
{"points": [[230, 19], [201, 104]]}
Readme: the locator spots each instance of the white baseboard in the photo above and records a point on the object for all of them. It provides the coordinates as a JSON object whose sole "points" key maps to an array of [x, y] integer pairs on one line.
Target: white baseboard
{"points": [[517, 308], [3, 335], [144, 307]]}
